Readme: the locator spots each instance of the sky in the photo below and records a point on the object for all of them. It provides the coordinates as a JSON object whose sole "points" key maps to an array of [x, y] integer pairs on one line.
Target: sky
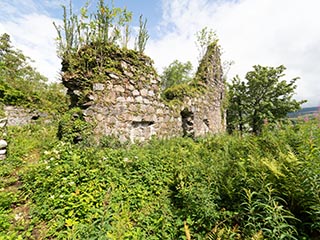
{"points": [[250, 32]]}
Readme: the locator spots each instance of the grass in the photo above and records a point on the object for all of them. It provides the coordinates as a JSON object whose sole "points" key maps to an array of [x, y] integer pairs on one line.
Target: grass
{"points": [[218, 187]]}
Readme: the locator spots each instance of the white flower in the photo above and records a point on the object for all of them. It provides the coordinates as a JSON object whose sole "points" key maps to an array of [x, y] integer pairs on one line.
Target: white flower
{"points": [[17, 216], [55, 151]]}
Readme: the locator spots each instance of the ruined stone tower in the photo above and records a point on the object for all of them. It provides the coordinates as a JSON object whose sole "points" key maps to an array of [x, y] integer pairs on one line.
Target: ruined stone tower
{"points": [[120, 94]]}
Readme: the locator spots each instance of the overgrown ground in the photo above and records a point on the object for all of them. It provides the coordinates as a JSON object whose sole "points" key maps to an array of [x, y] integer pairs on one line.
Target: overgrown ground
{"points": [[219, 187]]}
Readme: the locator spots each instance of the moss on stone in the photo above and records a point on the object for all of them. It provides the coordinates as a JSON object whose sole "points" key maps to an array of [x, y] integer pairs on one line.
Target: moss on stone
{"points": [[206, 65], [98, 63]]}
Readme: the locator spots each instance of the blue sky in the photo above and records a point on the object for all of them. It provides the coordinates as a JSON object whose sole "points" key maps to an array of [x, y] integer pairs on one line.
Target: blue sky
{"points": [[265, 32]]}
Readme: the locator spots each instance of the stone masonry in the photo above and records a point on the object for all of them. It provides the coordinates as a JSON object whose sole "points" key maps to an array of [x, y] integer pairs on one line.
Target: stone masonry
{"points": [[126, 101]]}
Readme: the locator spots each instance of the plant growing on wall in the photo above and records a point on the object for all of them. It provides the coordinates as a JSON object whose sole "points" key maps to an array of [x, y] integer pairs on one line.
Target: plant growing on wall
{"points": [[143, 36], [109, 25], [205, 37]]}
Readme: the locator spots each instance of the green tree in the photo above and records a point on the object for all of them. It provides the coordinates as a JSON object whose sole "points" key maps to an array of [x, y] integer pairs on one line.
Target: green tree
{"points": [[19, 82], [176, 73], [23, 85], [263, 96]]}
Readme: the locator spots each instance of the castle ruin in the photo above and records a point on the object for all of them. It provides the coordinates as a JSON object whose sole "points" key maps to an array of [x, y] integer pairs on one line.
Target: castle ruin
{"points": [[120, 94]]}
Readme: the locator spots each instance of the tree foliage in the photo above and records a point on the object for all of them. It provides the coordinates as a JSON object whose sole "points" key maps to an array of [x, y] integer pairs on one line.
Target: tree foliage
{"points": [[23, 85], [176, 73], [264, 96]]}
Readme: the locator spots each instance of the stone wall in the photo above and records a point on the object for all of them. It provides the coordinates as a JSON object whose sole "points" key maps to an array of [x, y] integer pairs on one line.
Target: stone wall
{"points": [[18, 116], [123, 99]]}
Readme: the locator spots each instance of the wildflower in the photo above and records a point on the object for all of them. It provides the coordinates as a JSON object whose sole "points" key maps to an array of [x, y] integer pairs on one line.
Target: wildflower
{"points": [[55, 151], [18, 216]]}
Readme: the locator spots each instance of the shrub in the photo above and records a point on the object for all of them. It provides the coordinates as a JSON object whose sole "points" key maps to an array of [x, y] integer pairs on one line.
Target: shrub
{"points": [[73, 127]]}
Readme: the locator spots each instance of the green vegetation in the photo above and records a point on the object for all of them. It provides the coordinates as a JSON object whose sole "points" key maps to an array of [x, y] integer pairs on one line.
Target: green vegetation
{"points": [[249, 187], [176, 80], [176, 73], [263, 97], [205, 38], [221, 187], [92, 65], [107, 26], [142, 37], [95, 45], [73, 128], [22, 85], [176, 93]]}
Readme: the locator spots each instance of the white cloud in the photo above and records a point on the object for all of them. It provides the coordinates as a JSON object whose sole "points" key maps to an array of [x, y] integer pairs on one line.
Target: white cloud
{"points": [[265, 32]]}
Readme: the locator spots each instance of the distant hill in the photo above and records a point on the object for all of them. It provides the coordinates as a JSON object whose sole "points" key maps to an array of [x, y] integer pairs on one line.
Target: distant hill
{"points": [[304, 111]]}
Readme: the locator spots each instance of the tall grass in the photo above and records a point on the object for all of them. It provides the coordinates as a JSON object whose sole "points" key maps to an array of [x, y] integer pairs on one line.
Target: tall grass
{"points": [[219, 187]]}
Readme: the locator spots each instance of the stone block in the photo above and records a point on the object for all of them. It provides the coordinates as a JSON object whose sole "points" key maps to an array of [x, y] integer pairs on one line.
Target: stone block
{"points": [[144, 92], [146, 101], [159, 111], [121, 99], [151, 93], [139, 99], [128, 73], [98, 87], [130, 87], [113, 76], [3, 122], [135, 93], [3, 144], [130, 99], [119, 88], [124, 65], [137, 119], [99, 117]]}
